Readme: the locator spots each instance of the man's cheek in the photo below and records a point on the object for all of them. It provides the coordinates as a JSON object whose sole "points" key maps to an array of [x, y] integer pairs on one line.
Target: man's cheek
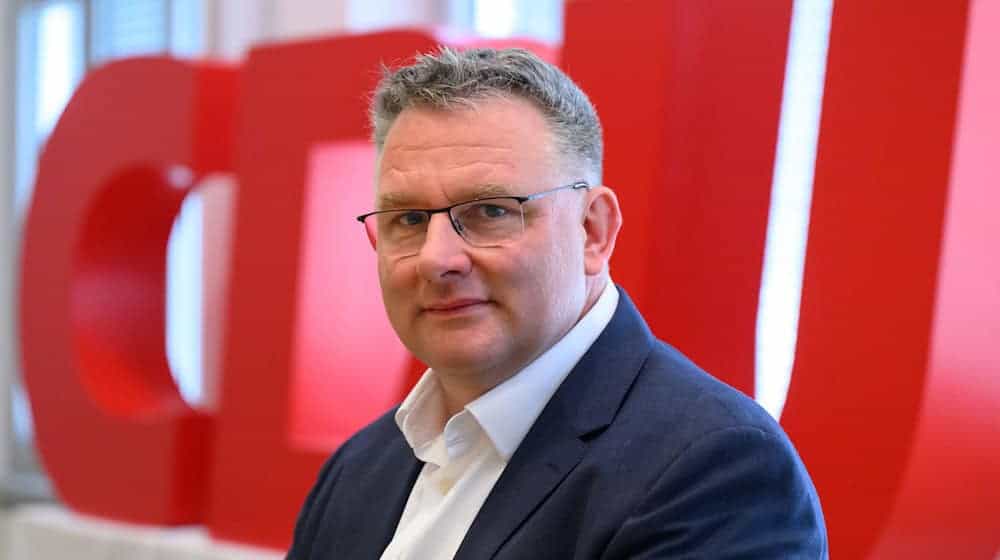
{"points": [[392, 280]]}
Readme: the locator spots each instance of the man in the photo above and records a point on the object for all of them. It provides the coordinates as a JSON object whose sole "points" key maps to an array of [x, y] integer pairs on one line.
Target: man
{"points": [[551, 423]]}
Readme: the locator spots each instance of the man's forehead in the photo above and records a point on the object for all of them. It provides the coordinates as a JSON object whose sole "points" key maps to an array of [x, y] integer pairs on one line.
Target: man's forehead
{"points": [[435, 157]]}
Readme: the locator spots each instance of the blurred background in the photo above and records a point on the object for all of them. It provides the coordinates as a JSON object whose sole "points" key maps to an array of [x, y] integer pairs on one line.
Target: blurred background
{"points": [[47, 46]]}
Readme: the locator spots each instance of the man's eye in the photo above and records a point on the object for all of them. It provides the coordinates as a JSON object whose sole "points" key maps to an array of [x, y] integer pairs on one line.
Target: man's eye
{"points": [[411, 218], [491, 211]]}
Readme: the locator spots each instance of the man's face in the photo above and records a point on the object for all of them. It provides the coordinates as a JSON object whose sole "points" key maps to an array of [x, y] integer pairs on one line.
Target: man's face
{"points": [[482, 313]]}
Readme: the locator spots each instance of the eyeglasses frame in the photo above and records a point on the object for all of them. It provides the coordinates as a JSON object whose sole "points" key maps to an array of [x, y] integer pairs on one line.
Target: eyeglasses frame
{"points": [[576, 185]]}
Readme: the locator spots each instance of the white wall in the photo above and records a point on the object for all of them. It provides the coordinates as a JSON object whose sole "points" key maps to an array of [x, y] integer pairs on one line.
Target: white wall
{"points": [[8, 38], [235, 25]]}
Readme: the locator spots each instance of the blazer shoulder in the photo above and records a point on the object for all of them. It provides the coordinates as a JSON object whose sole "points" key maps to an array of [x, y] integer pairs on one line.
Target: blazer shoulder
{"points": [[710, 455], [369, 441], [693, 399]]}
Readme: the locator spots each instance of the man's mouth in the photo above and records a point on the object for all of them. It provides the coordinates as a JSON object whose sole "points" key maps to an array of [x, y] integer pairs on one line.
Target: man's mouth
{"points": [[454, 306]]}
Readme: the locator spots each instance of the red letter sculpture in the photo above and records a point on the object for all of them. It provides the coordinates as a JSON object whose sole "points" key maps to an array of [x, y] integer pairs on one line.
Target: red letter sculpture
{"points": [[115, 435]]}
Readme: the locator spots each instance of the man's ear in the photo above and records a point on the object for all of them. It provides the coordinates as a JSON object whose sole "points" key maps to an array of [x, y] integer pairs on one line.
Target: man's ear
{"points": [[602, 218]]}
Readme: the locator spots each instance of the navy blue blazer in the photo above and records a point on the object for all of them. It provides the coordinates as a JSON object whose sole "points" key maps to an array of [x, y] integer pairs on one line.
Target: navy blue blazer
{"points": [[639, 454]]}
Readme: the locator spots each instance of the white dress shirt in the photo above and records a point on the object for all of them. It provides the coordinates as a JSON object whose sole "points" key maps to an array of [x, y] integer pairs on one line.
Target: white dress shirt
{"points": [[465, 455]]}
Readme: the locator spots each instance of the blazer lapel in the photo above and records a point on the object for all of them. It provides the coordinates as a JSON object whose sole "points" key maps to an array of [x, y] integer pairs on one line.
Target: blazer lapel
{"points": [[525, 483], [371, 514], [586, 402], [383, 520]]}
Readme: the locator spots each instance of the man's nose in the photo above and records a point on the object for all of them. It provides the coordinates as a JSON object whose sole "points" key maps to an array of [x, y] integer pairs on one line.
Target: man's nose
{"points": [[444, 252]]}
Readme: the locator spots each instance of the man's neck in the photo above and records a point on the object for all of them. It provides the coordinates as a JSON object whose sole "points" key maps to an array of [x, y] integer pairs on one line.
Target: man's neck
{"points": [[461, 388]]}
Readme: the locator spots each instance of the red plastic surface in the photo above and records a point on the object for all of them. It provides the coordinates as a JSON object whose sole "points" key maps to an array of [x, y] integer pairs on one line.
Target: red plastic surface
{"points": [[689, 94], [894, 399], [114, 434]]}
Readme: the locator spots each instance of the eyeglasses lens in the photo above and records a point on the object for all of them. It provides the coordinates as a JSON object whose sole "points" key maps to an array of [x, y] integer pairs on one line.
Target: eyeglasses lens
{"points": [[482, 223]]}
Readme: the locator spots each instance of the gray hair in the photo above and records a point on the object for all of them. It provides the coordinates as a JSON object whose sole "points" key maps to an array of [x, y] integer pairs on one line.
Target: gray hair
{"points": [[450, 78]]}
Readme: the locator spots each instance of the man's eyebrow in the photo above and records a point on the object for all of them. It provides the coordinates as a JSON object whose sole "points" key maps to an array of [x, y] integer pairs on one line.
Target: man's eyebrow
{"points": [[397, 200], [393, 200], [486, 190]]}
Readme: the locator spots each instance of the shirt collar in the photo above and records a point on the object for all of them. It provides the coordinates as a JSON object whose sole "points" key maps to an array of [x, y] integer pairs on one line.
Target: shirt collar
{"points": [[421, 416]]}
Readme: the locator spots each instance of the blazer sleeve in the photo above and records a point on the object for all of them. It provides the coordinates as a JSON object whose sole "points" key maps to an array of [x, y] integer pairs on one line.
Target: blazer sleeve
{"points": [[738, 492]]}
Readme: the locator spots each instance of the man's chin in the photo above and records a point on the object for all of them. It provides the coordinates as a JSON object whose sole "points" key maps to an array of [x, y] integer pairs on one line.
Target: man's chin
{"points": [[463, 362], [461, 357]]}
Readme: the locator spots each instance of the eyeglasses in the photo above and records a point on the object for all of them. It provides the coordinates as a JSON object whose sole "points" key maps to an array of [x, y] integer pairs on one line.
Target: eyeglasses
{"points": [[484, 222]]}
